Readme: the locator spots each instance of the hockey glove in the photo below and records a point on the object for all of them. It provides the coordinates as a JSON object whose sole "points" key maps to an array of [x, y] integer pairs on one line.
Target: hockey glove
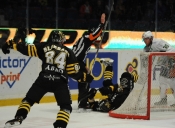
{"points": [[7, 46], [92, 93], [87, 78], [107, 90]]}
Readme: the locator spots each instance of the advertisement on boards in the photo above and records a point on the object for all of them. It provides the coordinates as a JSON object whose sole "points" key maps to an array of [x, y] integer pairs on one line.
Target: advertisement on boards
{"points": [[98, 69], [130, 62], [17, 74], [111, 39]]}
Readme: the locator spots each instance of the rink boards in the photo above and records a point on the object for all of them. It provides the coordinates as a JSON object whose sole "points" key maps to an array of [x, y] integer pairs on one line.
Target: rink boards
{"points": [[18, 72]]}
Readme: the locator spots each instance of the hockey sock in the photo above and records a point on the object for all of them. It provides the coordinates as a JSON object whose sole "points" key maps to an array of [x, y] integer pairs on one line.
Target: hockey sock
{"points": [[108, 74], [62, 118], [24, 108]]}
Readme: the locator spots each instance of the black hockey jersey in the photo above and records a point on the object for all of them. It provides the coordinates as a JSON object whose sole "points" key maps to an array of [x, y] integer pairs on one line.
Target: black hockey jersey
{"points": [[82, 46], [118, 98], [56, 59]]}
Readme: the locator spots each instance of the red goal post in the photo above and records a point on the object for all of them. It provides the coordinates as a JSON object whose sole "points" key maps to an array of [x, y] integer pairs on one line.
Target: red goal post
{"points": [[141, 101]]}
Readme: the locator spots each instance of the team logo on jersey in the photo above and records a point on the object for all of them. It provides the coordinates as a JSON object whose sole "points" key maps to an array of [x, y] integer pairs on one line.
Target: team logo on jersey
{"points": [[166, 46], [11, 69], [132, 68], [52, 77]]}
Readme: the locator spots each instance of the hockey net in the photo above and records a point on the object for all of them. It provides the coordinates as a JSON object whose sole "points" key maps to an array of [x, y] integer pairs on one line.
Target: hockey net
{"points": [[145, 96]]}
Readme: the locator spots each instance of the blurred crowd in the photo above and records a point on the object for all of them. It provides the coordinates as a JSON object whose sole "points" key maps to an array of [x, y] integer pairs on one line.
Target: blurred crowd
{"points": [[80, 14]]}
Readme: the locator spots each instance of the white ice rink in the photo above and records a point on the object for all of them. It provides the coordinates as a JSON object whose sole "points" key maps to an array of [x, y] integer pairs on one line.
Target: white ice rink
{"points": [[43, 116]]}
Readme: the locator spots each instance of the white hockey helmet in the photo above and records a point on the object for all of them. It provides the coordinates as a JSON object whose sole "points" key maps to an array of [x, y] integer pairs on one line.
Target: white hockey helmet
{"points": [[147, 34]]}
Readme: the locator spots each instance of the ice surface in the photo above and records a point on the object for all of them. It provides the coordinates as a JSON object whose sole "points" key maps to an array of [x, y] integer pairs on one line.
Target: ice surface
{"points": [[43, 116]]}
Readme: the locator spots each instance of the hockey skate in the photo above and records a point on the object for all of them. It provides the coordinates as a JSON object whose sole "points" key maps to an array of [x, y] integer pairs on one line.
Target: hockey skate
{"points": [[15, 122], [163, 101], [107, 61], [84, 109]]}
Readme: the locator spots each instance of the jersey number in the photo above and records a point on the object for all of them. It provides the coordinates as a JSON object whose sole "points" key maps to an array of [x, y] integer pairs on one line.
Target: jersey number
{"points": [[60, 59]]}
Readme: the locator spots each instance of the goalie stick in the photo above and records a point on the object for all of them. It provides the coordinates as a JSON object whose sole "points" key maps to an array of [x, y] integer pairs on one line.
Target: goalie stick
{"points": [[93, 62]]}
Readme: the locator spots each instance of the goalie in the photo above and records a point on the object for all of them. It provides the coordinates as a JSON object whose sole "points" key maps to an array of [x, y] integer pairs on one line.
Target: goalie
{"points": [[116, 94]]}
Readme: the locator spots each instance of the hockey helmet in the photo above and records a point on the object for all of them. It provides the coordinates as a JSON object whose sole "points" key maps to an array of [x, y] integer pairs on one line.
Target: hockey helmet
{"points": [[147, 34], [127, 80], [58, 36]]}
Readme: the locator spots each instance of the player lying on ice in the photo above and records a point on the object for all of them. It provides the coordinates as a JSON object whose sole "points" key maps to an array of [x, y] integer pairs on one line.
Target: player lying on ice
{"points": [[116, 93]]}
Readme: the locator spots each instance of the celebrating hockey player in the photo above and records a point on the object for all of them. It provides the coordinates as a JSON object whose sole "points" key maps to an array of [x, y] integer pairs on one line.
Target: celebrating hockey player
{"points": [[58, 62], [159, 45], [81, 48], [116, 93]]}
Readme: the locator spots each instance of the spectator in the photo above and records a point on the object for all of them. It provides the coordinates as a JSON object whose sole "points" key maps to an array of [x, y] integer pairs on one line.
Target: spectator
{"points": [[85, 10]]}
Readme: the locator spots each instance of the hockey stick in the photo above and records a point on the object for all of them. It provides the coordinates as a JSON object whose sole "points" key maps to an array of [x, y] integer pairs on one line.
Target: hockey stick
{"points": [[93, 62], [87, 96]]}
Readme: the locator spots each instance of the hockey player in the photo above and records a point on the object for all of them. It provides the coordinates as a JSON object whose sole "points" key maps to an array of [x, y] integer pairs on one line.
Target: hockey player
{"points": [[116, 94], [58, 62], [81, 48], [159, 45]]}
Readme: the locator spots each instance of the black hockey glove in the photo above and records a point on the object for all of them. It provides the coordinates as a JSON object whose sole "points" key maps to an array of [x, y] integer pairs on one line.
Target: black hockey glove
{"points": [[87, 78], [92, 93], [7, 46], [107, 90], [22, 33]]}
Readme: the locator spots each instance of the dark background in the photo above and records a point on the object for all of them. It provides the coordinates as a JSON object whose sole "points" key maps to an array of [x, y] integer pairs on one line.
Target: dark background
{"points": [[133, 15]]}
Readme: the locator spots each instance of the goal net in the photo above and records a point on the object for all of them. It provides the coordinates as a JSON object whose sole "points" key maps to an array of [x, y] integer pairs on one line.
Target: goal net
{"points": [[155, 69]]}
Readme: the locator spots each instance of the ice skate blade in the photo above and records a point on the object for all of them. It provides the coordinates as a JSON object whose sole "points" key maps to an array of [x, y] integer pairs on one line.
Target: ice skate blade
{"points": [[11, 124], [83, 110]]}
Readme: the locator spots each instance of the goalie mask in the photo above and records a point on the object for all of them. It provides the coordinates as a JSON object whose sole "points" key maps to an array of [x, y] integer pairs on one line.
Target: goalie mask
{"points": [[58, 36], [127, 81]]}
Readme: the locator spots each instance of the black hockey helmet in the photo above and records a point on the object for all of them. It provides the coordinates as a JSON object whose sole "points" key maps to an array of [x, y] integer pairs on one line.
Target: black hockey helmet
{"points": [[58, 36], [127, 81]]}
